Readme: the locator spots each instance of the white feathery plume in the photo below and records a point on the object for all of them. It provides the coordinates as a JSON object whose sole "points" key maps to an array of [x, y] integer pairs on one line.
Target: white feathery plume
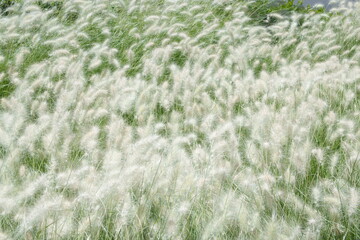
{"points": [[241, 132]]}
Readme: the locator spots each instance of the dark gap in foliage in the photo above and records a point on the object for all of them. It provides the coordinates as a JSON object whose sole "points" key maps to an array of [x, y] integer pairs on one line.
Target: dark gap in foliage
{"points": [[6, 87], [50, 5], [108, 226], [243, 133], [191, 228], [161, 113], [223, 13], [258, 10], [178, 58], [55, 6], [165, 76], [5, 4], [51, 101], [95, 35], [70, 17], [103, 138], [38, 161], [75, 156], [8, 223], [177, 106], [264, 64], [130, 118], [99, 70], [238, 107], [37, 54], [3, 151], [67, 192], [276, 104]]}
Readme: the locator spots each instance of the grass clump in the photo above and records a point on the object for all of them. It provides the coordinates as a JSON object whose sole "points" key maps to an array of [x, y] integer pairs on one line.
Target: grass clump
{"points": [[178, 120]]}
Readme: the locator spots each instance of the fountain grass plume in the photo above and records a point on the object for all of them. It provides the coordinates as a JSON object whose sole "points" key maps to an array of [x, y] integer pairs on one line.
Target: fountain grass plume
{"points": [[137, 119]]}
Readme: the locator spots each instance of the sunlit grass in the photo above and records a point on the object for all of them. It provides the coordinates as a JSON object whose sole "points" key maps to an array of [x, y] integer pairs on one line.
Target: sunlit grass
{"points": [[179, 120]]}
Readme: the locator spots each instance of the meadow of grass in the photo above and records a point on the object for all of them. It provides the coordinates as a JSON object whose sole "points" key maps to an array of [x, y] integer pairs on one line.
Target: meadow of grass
{"points": [[144, 119]]}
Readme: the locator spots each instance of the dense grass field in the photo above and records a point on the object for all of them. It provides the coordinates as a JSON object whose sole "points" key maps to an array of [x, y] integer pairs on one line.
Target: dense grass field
{"points": [[179, 119]]}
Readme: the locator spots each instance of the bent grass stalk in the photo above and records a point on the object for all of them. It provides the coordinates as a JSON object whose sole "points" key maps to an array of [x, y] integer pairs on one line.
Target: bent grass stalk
{"points": [[178, 120]]}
